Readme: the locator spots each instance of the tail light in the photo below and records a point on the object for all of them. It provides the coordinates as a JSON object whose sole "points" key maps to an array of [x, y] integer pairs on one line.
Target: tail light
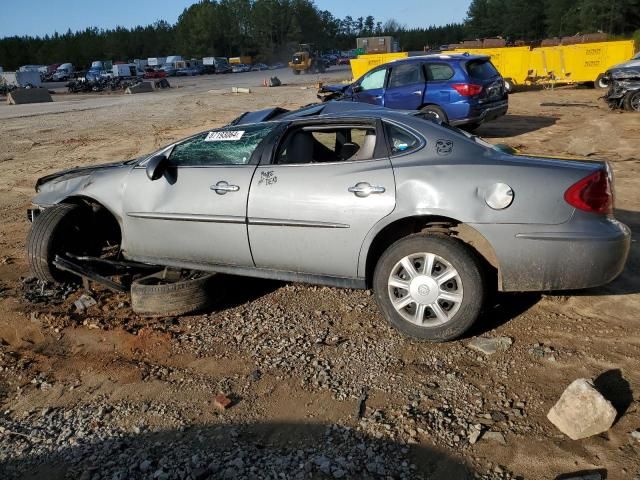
{"points": [[592, 194], [467, 89]]}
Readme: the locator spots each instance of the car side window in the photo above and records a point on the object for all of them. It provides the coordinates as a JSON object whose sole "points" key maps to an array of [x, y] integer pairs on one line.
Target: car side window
{"points": [[344, 143], [438, 72], [373, 80], [406, 74], [227, 146], [400, 140]]}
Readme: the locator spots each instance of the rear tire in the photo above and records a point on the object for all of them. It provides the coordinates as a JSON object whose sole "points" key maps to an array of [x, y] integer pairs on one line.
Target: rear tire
{"points": [[435, 112], [57, 230], [436, 308], [631, 101], [296, 72]]}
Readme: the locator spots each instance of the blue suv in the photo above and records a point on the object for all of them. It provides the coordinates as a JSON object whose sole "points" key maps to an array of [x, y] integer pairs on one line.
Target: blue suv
{"points": [[460, 89]]}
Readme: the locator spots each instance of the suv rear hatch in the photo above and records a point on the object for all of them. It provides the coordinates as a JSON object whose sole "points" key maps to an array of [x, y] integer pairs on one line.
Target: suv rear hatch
{"points": [[482, 72]]}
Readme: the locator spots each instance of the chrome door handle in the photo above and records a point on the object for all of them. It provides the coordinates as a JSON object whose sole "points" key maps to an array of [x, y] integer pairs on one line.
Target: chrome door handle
{"points": [[378, 97], [364, 189], [417, 92], [223, 187]]}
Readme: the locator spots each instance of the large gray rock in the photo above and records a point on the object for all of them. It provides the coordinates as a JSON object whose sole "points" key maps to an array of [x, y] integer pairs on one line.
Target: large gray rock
{"points": [[582, 411], [489, 346]]}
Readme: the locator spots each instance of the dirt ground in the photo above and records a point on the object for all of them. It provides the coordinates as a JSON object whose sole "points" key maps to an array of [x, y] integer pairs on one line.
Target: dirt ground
{"points": [[254, 347]]}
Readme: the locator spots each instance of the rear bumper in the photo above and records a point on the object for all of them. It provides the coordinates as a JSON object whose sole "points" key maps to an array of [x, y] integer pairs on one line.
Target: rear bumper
{"points": [[570, 256], [483, 114]]}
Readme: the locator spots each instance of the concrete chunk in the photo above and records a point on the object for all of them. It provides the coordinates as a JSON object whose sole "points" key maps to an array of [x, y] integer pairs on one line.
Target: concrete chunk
{"points": [[29, 95], [240, 90], [142, 87], [582, 411]]}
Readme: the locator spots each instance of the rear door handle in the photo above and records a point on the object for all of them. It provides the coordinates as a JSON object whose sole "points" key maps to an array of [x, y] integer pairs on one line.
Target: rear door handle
{"points": [[364, 189], [378, 97], [223, 187], [418, 92]]}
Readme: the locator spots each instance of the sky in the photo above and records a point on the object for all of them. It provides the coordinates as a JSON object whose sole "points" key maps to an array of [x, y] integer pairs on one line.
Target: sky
{"points": [[39, 17]]}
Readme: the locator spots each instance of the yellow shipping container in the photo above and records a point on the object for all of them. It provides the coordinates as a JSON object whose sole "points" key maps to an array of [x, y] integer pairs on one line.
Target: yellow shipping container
{"points": [[364, 63], [578, 63]]}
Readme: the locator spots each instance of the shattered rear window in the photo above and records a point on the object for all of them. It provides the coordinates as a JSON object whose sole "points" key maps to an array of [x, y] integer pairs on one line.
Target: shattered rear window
{"points": [[226, 146]]}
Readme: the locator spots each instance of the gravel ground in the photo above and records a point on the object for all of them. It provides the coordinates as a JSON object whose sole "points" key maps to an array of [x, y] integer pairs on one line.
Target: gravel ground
{"points": [[319, 385]]}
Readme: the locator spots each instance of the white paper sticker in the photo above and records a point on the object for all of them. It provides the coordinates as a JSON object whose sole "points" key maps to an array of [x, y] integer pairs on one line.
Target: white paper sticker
{"points": [[224, 136]]}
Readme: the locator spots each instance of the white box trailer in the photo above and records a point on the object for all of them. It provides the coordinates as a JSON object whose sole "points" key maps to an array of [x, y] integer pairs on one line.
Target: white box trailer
{"points": [[156, 61], [22, 79], [126, 70]]}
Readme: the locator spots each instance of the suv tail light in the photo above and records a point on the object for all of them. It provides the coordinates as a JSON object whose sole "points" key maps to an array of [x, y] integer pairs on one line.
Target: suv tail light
{"points": [[592, 194], [467, 89]]}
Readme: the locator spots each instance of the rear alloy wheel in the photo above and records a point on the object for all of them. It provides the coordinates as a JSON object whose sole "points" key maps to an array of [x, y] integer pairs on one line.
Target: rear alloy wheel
{"points": [[435, 112], [632, 101], [429, 287]]}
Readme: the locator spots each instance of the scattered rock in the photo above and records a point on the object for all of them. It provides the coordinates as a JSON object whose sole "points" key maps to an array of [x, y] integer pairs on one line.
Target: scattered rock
{"points": [[635, 435], [582, 411], [497, 437], [84, 302], [489, 346], [222, 402]]}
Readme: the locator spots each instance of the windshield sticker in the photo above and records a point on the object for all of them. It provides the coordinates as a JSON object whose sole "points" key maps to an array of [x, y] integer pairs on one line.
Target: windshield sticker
{"points": [[444, 147], [224, 136]]}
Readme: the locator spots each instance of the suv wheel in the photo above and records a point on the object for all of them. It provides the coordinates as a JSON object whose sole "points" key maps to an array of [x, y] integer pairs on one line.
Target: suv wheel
{"points": [[429, 287], [435, 112], [632, 101]]}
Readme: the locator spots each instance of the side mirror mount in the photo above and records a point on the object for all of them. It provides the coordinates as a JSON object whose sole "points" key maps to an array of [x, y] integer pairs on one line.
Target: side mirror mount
{"points": [[156, 167], [356, 88]]}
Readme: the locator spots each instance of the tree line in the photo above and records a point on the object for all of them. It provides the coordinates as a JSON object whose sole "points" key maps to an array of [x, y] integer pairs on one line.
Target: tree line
{"points": [[269, 30]]}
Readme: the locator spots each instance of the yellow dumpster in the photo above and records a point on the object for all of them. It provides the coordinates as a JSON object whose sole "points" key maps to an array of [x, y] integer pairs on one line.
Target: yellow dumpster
{"points": [[364, 63], [578, 63], [587, 62]]}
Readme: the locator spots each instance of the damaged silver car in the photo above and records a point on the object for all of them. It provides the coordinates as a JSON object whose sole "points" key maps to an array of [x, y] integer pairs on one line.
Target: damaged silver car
{"points": [[347, 195]]}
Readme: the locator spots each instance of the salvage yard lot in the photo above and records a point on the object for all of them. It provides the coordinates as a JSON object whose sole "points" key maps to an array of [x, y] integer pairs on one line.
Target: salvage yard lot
{"points": [[107, 393]]}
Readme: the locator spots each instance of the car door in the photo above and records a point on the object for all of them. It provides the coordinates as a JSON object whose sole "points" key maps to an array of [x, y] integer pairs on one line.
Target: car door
{"points": [[196, 212], [311, 207], [370, 88], [406, 86], [438, 90]]}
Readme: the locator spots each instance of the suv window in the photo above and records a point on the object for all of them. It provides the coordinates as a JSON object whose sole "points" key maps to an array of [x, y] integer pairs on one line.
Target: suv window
{"points": [[481, 69], [373, 80], [227, 146], [400, 141], [305, 145], [438, 72], [406, 74]]}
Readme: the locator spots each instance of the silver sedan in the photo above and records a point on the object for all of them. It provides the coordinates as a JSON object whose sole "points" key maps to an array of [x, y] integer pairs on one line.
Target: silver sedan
{"points": [[428, 216]]}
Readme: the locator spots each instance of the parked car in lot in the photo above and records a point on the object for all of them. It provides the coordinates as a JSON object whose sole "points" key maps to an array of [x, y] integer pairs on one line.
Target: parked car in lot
{"points": [[153, 72], [240, 68], [187, 72], [170, 70], [258, 67], [349, 195], [455, 89], [277, 66]]}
